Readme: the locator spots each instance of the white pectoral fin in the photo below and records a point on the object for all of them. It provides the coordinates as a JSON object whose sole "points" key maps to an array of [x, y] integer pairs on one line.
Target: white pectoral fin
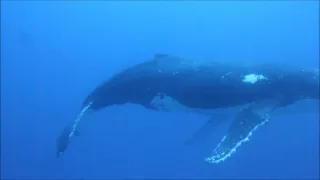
{"points": [[244, 124]]}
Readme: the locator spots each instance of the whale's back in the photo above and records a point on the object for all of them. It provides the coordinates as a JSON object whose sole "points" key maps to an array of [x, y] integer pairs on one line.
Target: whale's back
{"points": [[200, 84]]}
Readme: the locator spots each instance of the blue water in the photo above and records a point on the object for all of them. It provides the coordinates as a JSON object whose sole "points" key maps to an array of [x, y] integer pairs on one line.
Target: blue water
{"points": [[54, 53]]}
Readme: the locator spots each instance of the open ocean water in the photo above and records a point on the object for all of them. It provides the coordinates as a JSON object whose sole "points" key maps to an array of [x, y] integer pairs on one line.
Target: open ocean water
{"points": [[54, 53]]}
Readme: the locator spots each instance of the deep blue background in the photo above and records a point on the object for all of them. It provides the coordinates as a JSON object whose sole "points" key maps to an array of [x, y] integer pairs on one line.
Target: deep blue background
{"points": [[54, 53]]}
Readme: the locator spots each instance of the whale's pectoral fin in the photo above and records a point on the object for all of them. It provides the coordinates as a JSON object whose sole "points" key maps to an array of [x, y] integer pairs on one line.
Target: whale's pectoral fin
{"points": [[245, 122], [203, 134], [63, 141], [68, 132]]}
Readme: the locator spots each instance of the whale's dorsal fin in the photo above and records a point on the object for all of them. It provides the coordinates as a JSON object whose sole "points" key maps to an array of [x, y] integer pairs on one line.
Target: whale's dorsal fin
{"points": [[160, 55]]}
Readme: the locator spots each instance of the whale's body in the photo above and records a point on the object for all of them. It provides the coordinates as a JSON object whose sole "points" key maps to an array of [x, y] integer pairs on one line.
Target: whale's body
{"points": [[204, 84], [170, 83]]}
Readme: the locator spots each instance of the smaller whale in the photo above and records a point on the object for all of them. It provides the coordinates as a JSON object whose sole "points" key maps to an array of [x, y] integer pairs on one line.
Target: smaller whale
{"points": [[174, 84]]}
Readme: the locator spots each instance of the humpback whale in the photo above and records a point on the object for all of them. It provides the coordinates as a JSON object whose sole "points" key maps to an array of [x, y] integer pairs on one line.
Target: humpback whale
{"points": [[171, 83]]}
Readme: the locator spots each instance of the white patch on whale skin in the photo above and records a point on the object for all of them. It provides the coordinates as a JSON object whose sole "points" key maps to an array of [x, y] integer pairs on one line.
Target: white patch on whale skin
{"points": [[253, 78]]}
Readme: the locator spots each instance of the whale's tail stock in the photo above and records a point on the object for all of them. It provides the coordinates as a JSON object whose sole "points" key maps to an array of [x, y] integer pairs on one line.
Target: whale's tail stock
{"points": [[68, 132]]}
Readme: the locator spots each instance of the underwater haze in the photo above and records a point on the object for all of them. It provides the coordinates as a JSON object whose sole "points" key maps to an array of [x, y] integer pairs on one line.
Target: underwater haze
{"points": [[53, 54]]}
